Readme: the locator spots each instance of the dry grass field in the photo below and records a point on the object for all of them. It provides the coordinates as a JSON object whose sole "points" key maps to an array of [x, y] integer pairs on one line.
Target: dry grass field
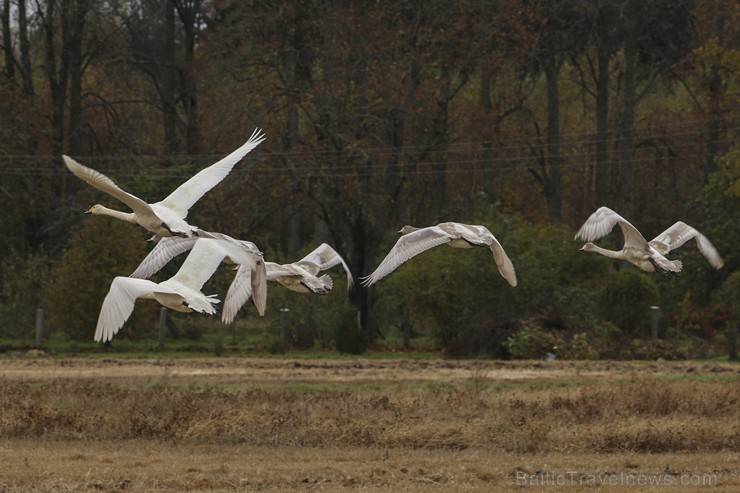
{"points": [[251, 424]]}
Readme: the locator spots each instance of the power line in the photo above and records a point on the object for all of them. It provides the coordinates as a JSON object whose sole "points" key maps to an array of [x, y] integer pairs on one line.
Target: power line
{"points": [[506, 155]]}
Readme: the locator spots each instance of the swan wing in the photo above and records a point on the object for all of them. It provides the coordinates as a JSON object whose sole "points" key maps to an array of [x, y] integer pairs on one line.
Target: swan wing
{"points": [[241, 252], [200, 264], [187, 194], [119, 304], [247, 282], [259, 287], [680, 233], [101, 182], [326, 258], [407, 247], [165, 250], [277, 271], [239, 292], [505, 267], [480, 235], [600, 224], [306, 268]]}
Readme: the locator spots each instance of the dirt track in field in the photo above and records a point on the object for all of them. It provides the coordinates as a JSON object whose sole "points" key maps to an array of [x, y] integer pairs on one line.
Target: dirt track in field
{"points": [[260, 371]]}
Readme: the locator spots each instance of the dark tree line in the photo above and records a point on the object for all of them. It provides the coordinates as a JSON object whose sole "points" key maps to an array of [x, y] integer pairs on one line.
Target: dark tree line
{"points": [[377, 114]]}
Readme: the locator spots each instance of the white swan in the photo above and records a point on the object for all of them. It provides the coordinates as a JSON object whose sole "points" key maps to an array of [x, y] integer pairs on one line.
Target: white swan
{"points": [[299, 276], [648, 256], [250, 279], [417, 240], [182, 292], [302, 276], [167, 217]]}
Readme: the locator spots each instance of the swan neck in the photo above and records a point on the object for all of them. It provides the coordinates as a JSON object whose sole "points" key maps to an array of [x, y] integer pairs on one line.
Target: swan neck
{"points": [[104, 211], [605, 252]]}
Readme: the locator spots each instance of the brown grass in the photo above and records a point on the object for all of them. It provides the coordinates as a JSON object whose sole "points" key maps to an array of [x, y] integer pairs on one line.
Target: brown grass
{"points": [[239, 424]]}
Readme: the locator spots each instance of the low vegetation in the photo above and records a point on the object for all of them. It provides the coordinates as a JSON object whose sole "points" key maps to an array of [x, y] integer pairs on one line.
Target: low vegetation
{"points": [[534, 415], [370, 409]]}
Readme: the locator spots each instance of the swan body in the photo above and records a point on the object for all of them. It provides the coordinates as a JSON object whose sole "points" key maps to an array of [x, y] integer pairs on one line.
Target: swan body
{"points": [[418, 240], [167, 217], [302, 276], [250, 280], [182, 292], [299, 278], [648, 256]]}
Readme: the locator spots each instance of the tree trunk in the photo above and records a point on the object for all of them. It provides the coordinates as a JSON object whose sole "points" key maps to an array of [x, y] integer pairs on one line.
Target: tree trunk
{"points": [[73, 47], [627, 123], [169, 83], [8, 42], [297, 70], [25, 45], [715, 98], [188, 11], [57, 80], [602, 126], [439, 146], [553, 180], [484, 98]]}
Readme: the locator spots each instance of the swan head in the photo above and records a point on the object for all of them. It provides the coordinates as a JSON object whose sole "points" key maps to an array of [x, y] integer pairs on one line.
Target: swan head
{"points": [[96, 209], [588, 247], [407, 229]]}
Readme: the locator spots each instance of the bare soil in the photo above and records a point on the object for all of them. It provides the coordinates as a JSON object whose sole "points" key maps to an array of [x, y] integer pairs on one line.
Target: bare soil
{"points": [[252, 424]]}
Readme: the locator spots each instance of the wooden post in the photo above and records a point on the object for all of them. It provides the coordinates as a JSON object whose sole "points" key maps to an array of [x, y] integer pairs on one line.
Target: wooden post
{"points": [[39, 327], [406, 329], [162, 327], [283, 327], [654, 318]]}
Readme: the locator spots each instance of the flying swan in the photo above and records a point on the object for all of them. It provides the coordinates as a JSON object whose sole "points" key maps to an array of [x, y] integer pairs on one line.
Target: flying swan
{"points": [[417, 240], [165, 218], [182, 292], [648, 256], [302, 276], [250, 279]]}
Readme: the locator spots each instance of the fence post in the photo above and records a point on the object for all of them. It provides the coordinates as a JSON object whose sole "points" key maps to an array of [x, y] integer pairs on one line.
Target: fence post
{"points": [[162, 327], [406, 329], [654, 318], [39, 327], [283, 327]]}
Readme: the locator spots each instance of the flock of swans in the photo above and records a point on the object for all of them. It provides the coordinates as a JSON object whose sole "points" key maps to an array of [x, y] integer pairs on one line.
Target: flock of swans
{"points": [[173, 235]]}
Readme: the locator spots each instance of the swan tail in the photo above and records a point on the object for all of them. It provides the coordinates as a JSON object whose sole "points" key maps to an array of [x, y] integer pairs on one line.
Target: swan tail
{"points": [[206, 305], [328, 283]]}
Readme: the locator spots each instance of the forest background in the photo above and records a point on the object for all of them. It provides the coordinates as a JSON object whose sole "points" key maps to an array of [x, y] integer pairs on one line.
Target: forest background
{"points": [[522, 115]]}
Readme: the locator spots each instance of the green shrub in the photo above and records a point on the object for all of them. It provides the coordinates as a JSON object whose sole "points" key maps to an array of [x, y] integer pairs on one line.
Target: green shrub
{"points": [[577, 347], [729, 295], [20, 294], [653, 349], [626, 301], [531, 342], [349, 339], [99, 250], [459, 296]]}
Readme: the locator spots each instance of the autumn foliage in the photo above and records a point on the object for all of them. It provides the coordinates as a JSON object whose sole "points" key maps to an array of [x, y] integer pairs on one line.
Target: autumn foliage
{"points": [[523, 115]]}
